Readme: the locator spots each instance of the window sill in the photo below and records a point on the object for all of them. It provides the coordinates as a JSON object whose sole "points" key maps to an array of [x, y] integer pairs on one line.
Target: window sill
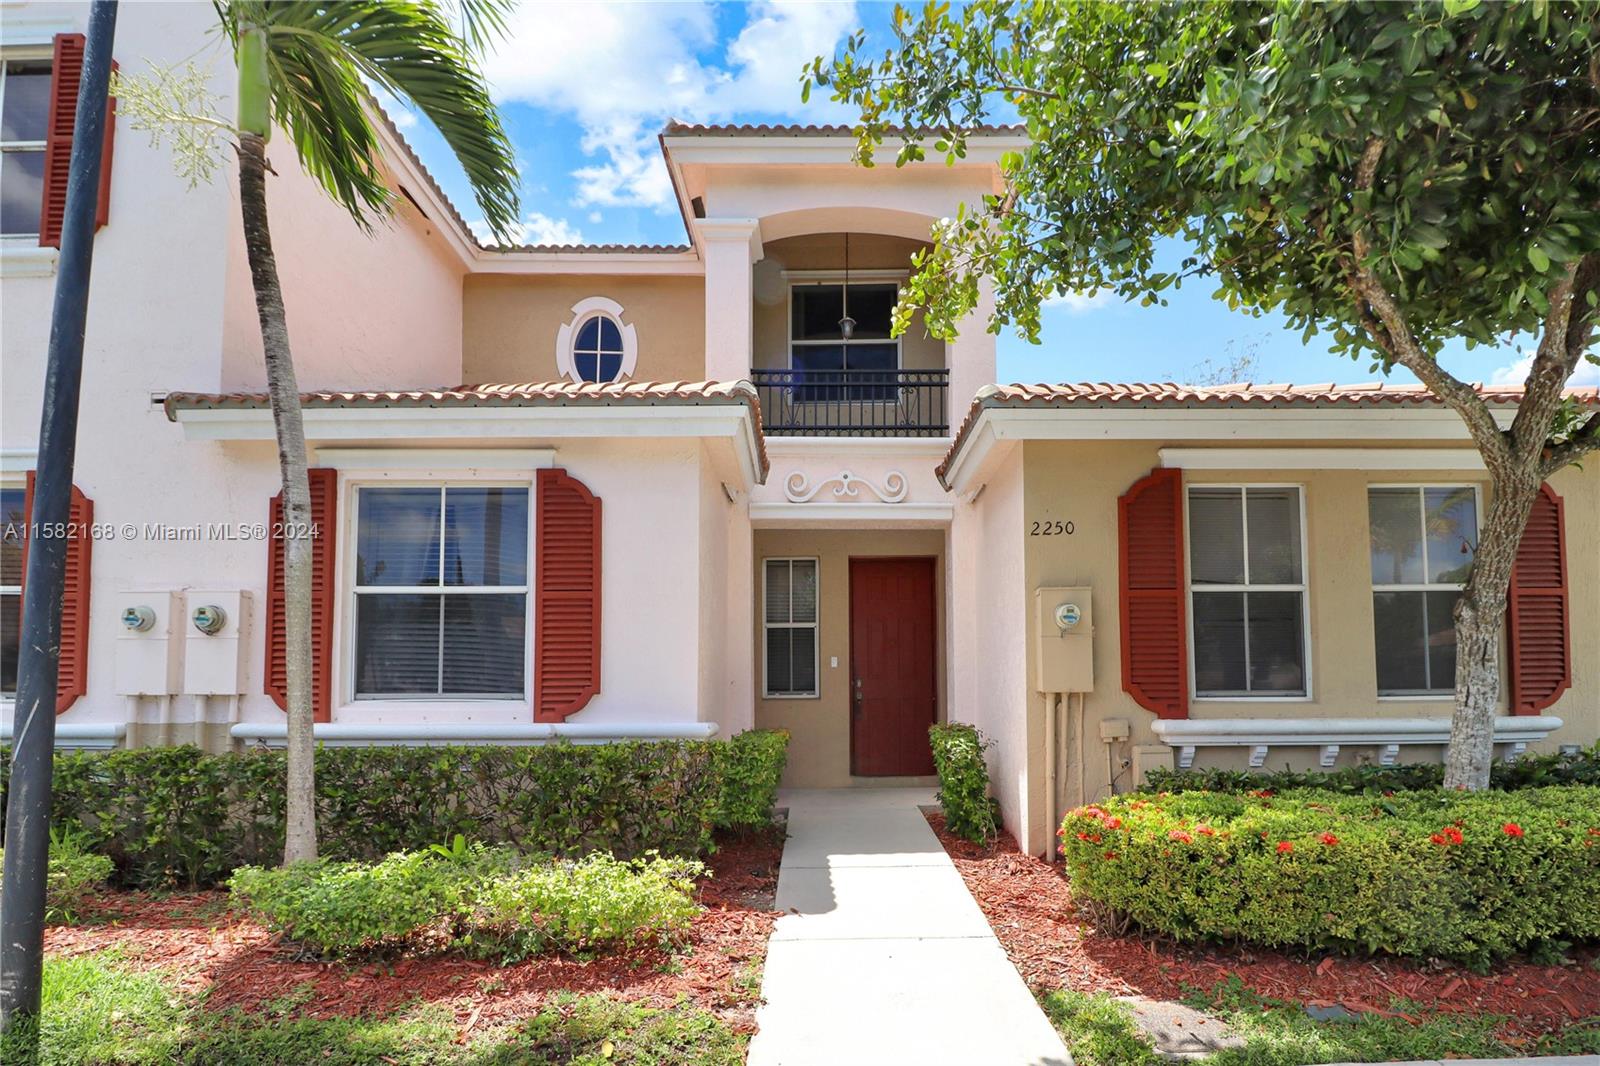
{"points": [[23, 258], [355, 734], [791, 696]]}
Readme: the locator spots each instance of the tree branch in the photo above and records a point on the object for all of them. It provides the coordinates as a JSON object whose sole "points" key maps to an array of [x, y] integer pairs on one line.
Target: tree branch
{"points": [[1387, 325], [1575, 447]]}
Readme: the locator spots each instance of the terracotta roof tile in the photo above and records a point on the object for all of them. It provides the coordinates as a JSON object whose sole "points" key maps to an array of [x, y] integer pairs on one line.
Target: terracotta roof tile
{"points": [[1240, 395], [675, 128], [505, 394], [592, 249]]}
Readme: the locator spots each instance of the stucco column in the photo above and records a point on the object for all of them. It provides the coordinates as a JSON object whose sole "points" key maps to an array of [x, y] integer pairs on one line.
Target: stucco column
{"points": [[730, 246], [971, 356]]}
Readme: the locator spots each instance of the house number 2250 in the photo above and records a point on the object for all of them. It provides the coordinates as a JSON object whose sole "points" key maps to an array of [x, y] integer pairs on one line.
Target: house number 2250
{"points": [[1052, 528]]}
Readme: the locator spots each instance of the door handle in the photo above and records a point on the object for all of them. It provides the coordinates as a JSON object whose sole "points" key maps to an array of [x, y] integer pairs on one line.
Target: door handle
{"points": [[855, 708]]}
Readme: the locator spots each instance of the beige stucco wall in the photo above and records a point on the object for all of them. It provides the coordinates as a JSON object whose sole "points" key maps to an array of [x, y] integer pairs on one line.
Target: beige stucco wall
{"points": [[1081, 481], [819, 746], [510, 322], [825, 251]]}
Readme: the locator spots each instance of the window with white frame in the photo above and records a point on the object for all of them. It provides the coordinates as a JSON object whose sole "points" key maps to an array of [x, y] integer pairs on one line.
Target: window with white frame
{"points": [[596, 345], [24, 115], [441, 592], [1247, 591], [789, 626], [13, 529], [830, 363], [1422, 539]]}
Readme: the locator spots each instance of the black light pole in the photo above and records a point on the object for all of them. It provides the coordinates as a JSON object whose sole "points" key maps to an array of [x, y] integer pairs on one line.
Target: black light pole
{"points": [[34, 731]]}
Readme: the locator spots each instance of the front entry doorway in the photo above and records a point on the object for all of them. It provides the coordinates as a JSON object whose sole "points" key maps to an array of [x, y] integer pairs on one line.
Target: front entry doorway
{"points": [[894, 695]]}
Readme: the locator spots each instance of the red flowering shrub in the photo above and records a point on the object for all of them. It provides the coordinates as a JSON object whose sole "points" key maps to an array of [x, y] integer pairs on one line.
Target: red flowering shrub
{"points": [[1467, 876]]}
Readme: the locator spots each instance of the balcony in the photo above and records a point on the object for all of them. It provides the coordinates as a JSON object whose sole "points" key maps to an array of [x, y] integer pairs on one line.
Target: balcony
{"points": [[853, 403]]}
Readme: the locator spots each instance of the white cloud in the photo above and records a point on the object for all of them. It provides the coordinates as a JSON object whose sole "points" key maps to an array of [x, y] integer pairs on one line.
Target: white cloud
{"points": [[1516, 373], [535, 228], [1079, 302], [620, 70]]}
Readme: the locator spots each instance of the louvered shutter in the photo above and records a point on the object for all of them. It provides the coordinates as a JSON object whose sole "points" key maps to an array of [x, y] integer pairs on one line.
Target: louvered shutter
{"points": [[566, 629], [1541, 651], [1155, 661], [66, 68], [324, 508], [72, 677]]}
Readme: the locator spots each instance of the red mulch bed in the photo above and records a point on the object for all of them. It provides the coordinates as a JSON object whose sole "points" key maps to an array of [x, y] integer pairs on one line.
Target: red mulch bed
{"points": [[1028, 903], [238, 963]]}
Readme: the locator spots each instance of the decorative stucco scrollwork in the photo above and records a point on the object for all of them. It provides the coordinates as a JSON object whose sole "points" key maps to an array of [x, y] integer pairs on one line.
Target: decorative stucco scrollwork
{"points": [[799, 489]]}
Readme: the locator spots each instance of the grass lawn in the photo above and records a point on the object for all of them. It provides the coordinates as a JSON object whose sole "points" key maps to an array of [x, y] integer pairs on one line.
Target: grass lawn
{"points": [[1100, 1031], [99, 1011]]}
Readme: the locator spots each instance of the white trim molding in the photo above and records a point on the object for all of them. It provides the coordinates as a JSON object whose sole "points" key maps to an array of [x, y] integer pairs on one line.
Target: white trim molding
{"points": [[1322, 458], [18, 461], [453, 460], [582, 311], [851, 515], [1261, 734], [25, 259], [351, 734], [797, 487], [87, 736]]}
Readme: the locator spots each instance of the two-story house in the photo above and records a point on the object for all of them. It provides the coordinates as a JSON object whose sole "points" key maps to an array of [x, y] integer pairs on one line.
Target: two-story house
{"points": [[606, 492]]}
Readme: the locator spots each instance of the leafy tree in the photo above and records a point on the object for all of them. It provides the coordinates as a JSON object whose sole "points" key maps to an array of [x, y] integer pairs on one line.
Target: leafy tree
{"points": [[1395, 175], [304, 69]]}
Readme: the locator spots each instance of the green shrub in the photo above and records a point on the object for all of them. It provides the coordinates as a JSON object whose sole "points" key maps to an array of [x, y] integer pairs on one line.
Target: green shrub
{"points": [[178, 816], [71, 876], [750, 766], [969, 810], [485, 900], [1466, 876], [1529, 771]]}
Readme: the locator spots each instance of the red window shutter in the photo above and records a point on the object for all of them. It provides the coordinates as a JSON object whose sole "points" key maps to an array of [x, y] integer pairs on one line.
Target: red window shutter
{"points": [[1155, 659], [566, 628], [72, 677], [66, 69], [1537, 632], [324, 508]]}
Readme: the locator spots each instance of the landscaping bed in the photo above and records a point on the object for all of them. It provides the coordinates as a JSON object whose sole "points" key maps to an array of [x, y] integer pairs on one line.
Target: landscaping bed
{"points": [[1055, 947], [236, 963]]}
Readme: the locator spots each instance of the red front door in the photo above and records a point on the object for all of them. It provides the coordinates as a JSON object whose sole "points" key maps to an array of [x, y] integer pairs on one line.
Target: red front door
{"points": [[893, 695]]}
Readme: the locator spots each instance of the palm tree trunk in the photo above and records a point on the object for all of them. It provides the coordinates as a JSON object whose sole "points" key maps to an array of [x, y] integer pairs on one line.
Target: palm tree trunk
{"points": [[300, 830], [1480, 618]]}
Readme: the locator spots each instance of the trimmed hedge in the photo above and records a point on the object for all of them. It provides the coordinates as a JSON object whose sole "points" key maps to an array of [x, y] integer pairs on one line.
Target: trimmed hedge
{"points": [[750, 767], [178, 816], [969, 810], [71, 877], [1472, 877], [486, 901], [1530, 771]]}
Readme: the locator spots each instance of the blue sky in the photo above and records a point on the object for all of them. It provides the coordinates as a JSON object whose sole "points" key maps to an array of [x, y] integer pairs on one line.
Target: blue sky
{"points": [[585, 87]]}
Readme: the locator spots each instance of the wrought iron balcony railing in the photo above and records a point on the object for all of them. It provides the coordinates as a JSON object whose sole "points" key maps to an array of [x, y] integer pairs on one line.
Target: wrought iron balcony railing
{"points": [[853, 403]]}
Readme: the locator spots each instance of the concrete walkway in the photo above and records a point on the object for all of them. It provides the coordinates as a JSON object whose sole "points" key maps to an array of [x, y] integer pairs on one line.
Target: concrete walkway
{"points": [[882, 957]]}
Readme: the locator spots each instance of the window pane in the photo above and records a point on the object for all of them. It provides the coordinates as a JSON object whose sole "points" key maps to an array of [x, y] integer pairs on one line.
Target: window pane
{"points": [[485, 642], [826, 358], [816, 310], [791, 661], [21, 191], [610, 336], [397, 644], [610, 366], [866, 357], [777, 600], [804, 644], [486, 536], [10, 640], [1274, 517], [1396, 532], [1277, 654], [1216, 536], [588, 365], [1442, 639], [1452, 533], [804, 589], [1398, 629], [1219, 643], [27, 101], [871, 306], [11, 526], [588, 336], [397, 542]]}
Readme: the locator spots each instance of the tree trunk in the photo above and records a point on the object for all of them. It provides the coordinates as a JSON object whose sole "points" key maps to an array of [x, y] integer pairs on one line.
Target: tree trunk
{"points": [[1480, 618], [300, 830]]}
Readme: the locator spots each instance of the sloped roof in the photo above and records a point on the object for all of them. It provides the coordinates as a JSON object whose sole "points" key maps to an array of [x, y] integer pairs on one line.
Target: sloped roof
{"points": [[504, 394], [1244, 395], [675, 128]]}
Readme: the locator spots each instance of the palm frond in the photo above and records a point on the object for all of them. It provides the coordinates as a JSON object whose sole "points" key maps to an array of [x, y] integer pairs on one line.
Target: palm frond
{"points": [[319, 56]]}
